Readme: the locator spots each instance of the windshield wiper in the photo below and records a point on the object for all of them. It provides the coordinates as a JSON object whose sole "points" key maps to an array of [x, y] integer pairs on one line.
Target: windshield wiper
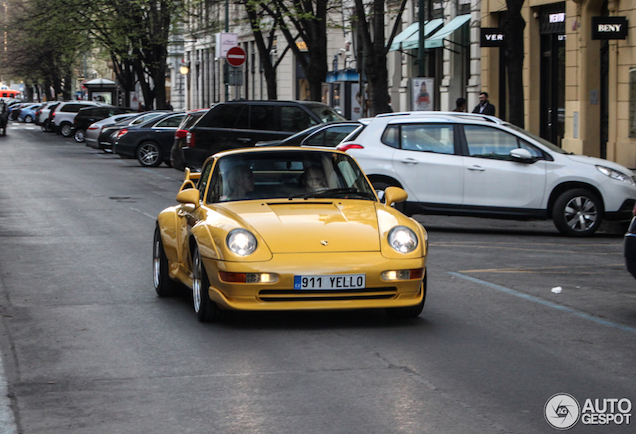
{"points": [[333, 192]]}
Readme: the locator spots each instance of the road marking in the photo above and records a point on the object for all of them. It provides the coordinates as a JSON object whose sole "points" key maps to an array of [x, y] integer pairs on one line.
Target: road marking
{"points": [[538, 300], [551, 270]]}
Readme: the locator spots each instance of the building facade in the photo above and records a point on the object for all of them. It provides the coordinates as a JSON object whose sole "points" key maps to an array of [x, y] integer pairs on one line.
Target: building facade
{"points": [[579, 74], [579, 83]]}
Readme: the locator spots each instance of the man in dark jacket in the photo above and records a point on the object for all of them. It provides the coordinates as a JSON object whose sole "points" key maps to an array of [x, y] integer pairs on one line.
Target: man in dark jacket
{"points": [[484, 107]]}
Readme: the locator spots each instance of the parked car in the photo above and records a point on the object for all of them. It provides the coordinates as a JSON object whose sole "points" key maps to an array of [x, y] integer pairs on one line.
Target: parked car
{"points": [[237, 240], [27, 113], [109, 134], [96, 138], [476, 165], [38, 112], [89, 115], [149, 142], [327, 135], [46, 115], [240, 124], [176, 152], [629, 246], [14, 110], [64, 114]]}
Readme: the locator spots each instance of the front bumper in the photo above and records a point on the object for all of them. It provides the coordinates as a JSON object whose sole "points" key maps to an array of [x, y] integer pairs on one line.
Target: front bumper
{"points": [[281, 295]]}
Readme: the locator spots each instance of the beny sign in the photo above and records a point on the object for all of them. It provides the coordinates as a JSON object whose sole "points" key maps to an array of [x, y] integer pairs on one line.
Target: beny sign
{"points": [[491, 37], [609, 27]]}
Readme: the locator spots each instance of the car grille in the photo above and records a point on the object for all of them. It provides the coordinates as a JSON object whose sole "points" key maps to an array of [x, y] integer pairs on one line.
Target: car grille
{"points": [[279, 295]]}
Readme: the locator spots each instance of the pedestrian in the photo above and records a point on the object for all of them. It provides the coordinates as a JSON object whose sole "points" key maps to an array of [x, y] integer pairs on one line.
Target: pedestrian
{"points": [[460, 105], [484, 107]]}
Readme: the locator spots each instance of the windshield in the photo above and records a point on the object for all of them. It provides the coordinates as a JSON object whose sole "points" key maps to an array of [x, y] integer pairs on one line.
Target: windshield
{"points": [[551, 146], [326, 113], [292, 175]]}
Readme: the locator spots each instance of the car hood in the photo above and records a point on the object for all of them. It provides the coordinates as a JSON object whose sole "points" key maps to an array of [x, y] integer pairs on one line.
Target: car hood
{"points": [[309, 226], [599, 162]]}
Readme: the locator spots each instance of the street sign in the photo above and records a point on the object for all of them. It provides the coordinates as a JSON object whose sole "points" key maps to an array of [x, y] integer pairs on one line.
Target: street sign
{"points": [[236, 56]]}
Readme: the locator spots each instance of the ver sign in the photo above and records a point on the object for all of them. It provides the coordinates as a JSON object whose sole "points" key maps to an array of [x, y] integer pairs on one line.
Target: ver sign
{"points": [[236, 56]]}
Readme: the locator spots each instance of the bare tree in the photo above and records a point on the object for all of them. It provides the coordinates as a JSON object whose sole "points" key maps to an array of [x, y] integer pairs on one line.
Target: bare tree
{"points": [[370, 24]]}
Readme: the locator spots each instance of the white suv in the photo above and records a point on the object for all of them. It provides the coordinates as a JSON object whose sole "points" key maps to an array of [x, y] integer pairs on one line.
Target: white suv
{"points": [[477, 165], [64, 115]]}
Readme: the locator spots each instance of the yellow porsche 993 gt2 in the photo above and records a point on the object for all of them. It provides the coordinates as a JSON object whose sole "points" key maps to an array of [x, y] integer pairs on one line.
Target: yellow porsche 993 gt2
{"points": [[289, 229]]}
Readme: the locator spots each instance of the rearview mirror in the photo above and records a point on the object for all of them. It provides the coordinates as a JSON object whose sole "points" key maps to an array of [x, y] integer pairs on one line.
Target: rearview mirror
{"points": [[189, 195], [394, 195], [522, 155]]}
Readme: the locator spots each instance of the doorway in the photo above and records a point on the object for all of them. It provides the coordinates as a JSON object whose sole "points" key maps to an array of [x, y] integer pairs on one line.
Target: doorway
{"points": [[552, 101]]}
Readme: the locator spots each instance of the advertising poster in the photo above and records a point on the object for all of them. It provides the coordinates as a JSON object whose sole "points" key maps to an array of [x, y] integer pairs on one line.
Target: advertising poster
{"points": [[422, 91]]}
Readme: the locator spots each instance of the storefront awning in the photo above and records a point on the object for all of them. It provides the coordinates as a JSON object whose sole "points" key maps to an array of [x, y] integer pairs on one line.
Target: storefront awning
{"points": [[437, 40], [409, 38]]}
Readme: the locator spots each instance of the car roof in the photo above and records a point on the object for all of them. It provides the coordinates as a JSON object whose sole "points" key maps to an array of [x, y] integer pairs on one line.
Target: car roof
{"points": [[438, 115], [281, 149]]}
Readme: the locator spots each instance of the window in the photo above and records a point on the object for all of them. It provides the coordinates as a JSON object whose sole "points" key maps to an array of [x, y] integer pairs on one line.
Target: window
{"points": [[203, 180], [262, 118], [295, 119], [170, 122], [288, 174], [226, 116], [391, 136], [435, 138], [330, 136], [487, 142]]}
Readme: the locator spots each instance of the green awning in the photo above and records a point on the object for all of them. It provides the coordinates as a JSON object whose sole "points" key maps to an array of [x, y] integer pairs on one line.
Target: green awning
{"points": [[410, 38], [437, 40]]}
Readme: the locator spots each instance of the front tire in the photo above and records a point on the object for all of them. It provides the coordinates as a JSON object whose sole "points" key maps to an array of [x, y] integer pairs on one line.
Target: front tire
{"points": [[577, 213], [206, 309], [164, 285], [409, 311], [28, 119], [149, 154]]}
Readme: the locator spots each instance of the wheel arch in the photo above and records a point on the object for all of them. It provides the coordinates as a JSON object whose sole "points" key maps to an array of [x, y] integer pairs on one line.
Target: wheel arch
{"points": [[571, 185], [386, 179]]}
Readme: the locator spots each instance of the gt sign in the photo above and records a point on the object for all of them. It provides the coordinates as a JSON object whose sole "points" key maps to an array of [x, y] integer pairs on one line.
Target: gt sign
{"points": [[236, 56]]}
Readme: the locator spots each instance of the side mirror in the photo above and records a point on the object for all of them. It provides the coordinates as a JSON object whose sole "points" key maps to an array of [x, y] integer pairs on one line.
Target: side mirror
{"points": [[522, 155], [394, 195], [189, 196]]}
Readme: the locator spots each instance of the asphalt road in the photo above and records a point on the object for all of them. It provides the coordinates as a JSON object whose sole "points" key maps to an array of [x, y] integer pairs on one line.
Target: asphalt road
{"points": [[88, 347]]}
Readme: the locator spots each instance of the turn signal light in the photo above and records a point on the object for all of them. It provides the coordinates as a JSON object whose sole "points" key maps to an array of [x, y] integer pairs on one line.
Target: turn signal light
{"points": [[414, 274], [229, 277]]}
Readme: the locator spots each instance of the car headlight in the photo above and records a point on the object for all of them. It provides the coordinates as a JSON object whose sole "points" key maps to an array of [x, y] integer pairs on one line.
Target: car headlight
{"points": [[241, 242], [402, 239], [615, 174]]}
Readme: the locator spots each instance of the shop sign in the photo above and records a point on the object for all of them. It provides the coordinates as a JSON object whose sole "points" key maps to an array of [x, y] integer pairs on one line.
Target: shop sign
{"points": [[609, 27], [491, 37]]}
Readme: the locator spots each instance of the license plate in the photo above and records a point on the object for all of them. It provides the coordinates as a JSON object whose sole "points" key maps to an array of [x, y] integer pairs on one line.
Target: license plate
{"points": [[330, 282]]}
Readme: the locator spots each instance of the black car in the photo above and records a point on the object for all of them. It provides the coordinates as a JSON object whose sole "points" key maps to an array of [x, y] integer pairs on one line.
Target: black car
{"points": [[89, 115], [327, 135], [176, 153], [240, 124], [629, 246], [108, 134], [149, 142]]}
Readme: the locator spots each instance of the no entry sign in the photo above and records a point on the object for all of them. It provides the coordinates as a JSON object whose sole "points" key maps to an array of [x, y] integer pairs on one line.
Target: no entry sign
{"points": [[236, 56]]}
